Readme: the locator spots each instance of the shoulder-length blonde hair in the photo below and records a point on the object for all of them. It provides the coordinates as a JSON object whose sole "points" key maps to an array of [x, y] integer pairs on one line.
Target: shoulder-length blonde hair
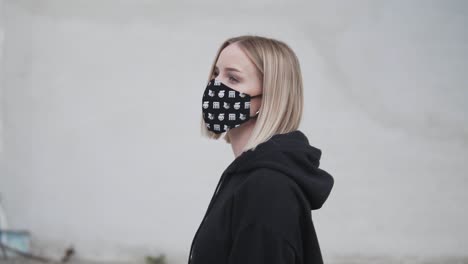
{"points": [[282, 101]]}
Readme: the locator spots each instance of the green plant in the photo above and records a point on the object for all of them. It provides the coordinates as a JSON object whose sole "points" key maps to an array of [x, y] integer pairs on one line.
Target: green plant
{"points": [[161, 259]]}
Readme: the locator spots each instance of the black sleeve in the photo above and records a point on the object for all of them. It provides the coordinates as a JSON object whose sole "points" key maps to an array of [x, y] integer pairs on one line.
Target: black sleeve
{"points": [[265, 221]]}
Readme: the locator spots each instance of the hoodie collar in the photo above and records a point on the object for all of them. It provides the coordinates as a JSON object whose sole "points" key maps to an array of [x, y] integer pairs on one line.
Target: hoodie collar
{"points": [[291, 154]]}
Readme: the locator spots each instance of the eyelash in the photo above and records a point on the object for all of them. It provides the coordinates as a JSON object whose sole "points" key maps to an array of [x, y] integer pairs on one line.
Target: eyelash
{"points": [[234, 79]]}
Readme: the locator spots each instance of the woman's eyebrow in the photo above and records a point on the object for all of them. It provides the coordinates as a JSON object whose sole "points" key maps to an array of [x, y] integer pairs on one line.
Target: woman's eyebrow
{"points": [[229, 69]]}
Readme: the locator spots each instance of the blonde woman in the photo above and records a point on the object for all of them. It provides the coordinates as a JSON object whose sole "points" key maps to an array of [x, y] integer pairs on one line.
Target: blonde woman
{"points": [[261, 209]]}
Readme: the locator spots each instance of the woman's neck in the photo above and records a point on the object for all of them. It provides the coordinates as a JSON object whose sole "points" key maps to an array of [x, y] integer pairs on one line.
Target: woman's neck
{"points": [[240, 135]]}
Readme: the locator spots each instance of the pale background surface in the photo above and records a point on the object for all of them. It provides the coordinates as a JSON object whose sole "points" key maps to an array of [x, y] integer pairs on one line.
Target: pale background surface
{"points": [[100, 105]]}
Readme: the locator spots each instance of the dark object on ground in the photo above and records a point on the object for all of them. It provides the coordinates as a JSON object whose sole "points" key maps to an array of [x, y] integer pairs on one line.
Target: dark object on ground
{"points": [[69, 252]]}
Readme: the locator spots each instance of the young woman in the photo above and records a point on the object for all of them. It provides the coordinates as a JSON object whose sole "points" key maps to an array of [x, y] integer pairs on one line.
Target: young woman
{"points": [[261, 209]]}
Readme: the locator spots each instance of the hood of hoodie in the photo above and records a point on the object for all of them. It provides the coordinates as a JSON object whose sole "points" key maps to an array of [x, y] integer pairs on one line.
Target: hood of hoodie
{"points": [[291, 154]]}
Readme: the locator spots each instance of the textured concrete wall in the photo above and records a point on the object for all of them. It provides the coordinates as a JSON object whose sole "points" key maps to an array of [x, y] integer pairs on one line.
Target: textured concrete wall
{"points": [[101, 108]]}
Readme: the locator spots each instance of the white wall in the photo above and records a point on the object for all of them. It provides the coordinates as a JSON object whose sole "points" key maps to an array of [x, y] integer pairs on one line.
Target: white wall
{"points": [[100, 108], [3, 223]]}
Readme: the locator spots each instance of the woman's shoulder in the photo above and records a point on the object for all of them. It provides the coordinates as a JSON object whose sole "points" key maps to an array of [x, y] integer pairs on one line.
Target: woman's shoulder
{"points": [[267, 193], [267, 183], [268, 199]]}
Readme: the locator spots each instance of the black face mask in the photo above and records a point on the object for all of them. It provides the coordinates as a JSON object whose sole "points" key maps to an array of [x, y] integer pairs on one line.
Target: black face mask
{"points": [[224, 108]]}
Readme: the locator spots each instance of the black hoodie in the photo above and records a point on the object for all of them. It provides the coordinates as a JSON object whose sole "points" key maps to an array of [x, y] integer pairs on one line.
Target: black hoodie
{"points": [[261, 209]]}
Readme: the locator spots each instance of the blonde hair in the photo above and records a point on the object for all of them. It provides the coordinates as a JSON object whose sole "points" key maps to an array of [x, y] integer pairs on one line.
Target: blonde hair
{"points": [[282, 101]]}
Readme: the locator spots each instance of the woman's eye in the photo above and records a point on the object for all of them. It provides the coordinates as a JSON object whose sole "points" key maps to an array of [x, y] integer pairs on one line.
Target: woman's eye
{"points": [[231, 78]]}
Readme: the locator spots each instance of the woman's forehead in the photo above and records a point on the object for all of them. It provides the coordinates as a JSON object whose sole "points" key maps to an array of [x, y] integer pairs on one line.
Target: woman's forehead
{"points": [[233, 57]]}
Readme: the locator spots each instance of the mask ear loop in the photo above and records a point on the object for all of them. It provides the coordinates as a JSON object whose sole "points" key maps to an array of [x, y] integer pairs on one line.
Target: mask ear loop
{"points": [[258, 95]]}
